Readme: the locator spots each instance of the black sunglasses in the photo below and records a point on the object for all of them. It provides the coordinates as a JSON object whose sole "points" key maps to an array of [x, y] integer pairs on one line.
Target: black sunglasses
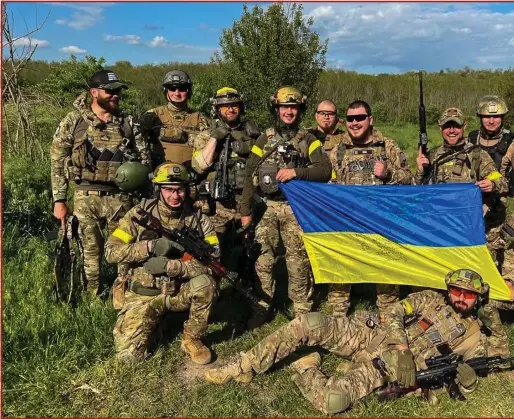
{"points": [[358, 118], [180, 88], [113, 92]]}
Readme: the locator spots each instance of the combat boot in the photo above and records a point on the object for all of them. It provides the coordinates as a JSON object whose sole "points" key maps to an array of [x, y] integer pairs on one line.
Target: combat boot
{"points": [[239, 370], [309, 361], [199, 353]]}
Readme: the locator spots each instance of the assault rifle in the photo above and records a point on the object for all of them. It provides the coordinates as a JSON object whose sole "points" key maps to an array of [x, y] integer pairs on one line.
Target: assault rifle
{"points": [[195, 246], [221, 189], [442, 372], [423, 137]]}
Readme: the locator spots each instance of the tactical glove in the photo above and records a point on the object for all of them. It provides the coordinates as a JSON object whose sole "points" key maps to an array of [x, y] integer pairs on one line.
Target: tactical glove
{"points": [[157, 265], [466, 375], [403, 367], [165, 247], [219, 133], [238, 135]]}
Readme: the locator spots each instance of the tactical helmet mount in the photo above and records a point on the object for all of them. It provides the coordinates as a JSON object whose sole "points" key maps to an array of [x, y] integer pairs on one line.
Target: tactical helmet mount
{"points": [[177, 78]]}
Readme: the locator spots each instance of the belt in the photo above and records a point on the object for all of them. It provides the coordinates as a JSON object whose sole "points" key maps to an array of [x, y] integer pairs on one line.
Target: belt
{"points": [[100, 193]]}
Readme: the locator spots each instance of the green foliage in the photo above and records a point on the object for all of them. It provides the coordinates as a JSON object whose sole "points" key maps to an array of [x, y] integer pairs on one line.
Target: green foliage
{"points": [[267, 49]]}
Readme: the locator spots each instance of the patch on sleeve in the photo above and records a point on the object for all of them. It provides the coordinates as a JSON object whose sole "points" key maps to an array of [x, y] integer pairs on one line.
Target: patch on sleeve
{"points": [[122, 235]]}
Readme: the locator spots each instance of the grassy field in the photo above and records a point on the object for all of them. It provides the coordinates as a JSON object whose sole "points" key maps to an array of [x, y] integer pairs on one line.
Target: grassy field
{"points": [[59, 361]]}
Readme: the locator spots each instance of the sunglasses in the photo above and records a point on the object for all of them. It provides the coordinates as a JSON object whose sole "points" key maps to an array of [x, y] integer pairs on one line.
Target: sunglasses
{"points": [[457, 292], [328, 114], [358, 118], [227, 107], [113, 92], [180, 88]]}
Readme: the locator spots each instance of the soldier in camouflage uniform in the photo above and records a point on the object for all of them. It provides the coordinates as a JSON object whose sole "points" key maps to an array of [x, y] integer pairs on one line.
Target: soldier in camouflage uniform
{"points": [[171, 128], [227, 144], [327, 129], [456, 161], [283, 153], [79, 152], [365, 157], [426, 323], [160, 278]]}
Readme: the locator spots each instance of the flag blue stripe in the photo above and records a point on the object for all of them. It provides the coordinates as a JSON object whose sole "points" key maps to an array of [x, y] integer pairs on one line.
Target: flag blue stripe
{"points": [[444, 215]]}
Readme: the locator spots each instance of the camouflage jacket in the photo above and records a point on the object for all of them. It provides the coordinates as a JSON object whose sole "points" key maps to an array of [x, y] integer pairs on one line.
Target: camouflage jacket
{"points": [[331, 140], [353, 164], [64, 140], [463, 167], [311, 163], [128, 244], [425, 320]]}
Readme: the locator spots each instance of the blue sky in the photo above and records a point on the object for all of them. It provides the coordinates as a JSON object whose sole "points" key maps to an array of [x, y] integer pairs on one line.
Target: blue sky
{"points": [[365, 37]]}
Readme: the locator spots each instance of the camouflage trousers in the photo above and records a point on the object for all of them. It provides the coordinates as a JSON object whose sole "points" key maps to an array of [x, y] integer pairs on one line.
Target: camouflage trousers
{"points": [[497, 340], [347, 337], [279, 224], [94, 213], [494, 220], [339, 297], [140, 315], [226, 221]]}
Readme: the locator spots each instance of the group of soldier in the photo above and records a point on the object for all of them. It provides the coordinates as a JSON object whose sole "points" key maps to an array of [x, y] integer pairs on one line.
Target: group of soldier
{"points": [[219, 177]]}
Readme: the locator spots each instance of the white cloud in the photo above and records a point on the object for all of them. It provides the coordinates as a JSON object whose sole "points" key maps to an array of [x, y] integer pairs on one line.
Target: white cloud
{"points": [[129, 39], [158, 41], [30, 42], [72, 49], [402, 36], [85, 16]]}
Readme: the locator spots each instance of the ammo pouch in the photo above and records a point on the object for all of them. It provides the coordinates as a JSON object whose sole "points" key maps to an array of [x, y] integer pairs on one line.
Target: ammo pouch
{"points": [[105, 172], [177, 152], [267, 178], [171, 134], [239, 174]]}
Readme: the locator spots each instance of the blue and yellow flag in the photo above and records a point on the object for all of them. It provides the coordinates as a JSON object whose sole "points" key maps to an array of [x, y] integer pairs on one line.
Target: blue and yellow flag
{"points": [[411, 235]]}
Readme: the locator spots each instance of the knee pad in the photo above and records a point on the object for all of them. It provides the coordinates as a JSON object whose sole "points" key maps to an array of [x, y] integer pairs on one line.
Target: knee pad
{"points": [[200, 282], [313, 320], [337, 401]]}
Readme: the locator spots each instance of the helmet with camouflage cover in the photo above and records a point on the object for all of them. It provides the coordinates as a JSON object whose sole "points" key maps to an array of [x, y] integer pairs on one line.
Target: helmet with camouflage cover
{"points": [[227, 96], [288, 95], [491, 106], [132, 176], [177, 77], [468, 280], [170, 174]]}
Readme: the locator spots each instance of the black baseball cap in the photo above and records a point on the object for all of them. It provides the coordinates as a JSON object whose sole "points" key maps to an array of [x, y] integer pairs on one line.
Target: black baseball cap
{"points": [[106, 79]]}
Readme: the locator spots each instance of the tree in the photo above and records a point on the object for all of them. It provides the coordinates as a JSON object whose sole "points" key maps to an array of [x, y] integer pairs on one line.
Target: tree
{"points": [[264, 50]]}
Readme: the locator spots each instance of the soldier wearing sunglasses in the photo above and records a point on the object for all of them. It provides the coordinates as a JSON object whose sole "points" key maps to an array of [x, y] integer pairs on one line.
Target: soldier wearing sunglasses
{"points": [[365, 157], [170, 128]]}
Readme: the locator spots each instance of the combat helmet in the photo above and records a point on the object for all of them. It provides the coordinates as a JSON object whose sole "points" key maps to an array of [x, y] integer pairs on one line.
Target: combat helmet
{"points": [[131, 176], [491, 106], [227, 96], [468, 280], [177, 77], [170, 174], [288, 95]]}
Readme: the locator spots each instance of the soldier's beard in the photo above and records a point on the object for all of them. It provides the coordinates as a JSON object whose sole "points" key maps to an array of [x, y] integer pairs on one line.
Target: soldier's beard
{"points": [[108, 106], [463, 309]]}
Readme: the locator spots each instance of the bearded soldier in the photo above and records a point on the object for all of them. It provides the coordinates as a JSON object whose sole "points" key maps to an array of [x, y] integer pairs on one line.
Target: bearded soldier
{"points": [[170, 128], [86, 148], [160, 278], [365, 157], [458, 160], [425, 324], [283, 153], [327, 125], [222, 152]]}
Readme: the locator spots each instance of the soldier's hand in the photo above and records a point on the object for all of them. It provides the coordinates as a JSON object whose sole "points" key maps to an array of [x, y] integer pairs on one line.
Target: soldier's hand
{"points": [[406, 368], [61, 211], [485, 185], [157, 265], [421, 160], [245, 220], [285, 175], [380, 169], [466, 375], [219, 133], [238, 135], [164, 247]]}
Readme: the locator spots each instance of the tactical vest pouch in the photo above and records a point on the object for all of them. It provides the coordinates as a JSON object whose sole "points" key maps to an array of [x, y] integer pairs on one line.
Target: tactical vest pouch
{"points": [[118, 292], [267, 177], [239, 174], [177, 153], [171, 134]]}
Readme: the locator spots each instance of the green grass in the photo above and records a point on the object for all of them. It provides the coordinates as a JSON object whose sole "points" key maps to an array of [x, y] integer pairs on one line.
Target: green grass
{"points": [[59, 361]]}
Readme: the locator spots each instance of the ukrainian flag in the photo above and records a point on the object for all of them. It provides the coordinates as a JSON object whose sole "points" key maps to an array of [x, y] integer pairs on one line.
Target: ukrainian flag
{"points": [[411, 235]]}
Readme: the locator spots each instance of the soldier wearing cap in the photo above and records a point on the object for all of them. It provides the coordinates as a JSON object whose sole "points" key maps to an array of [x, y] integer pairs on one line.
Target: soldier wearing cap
{"points": [[458, 160], [86, 148], [220, 154], [364, 156], [160, 278], [425, 324], [283, 153], [170, 128]]}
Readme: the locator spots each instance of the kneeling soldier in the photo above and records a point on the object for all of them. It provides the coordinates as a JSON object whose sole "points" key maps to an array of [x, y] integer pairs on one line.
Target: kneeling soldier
{"points": [[160, 278]]}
